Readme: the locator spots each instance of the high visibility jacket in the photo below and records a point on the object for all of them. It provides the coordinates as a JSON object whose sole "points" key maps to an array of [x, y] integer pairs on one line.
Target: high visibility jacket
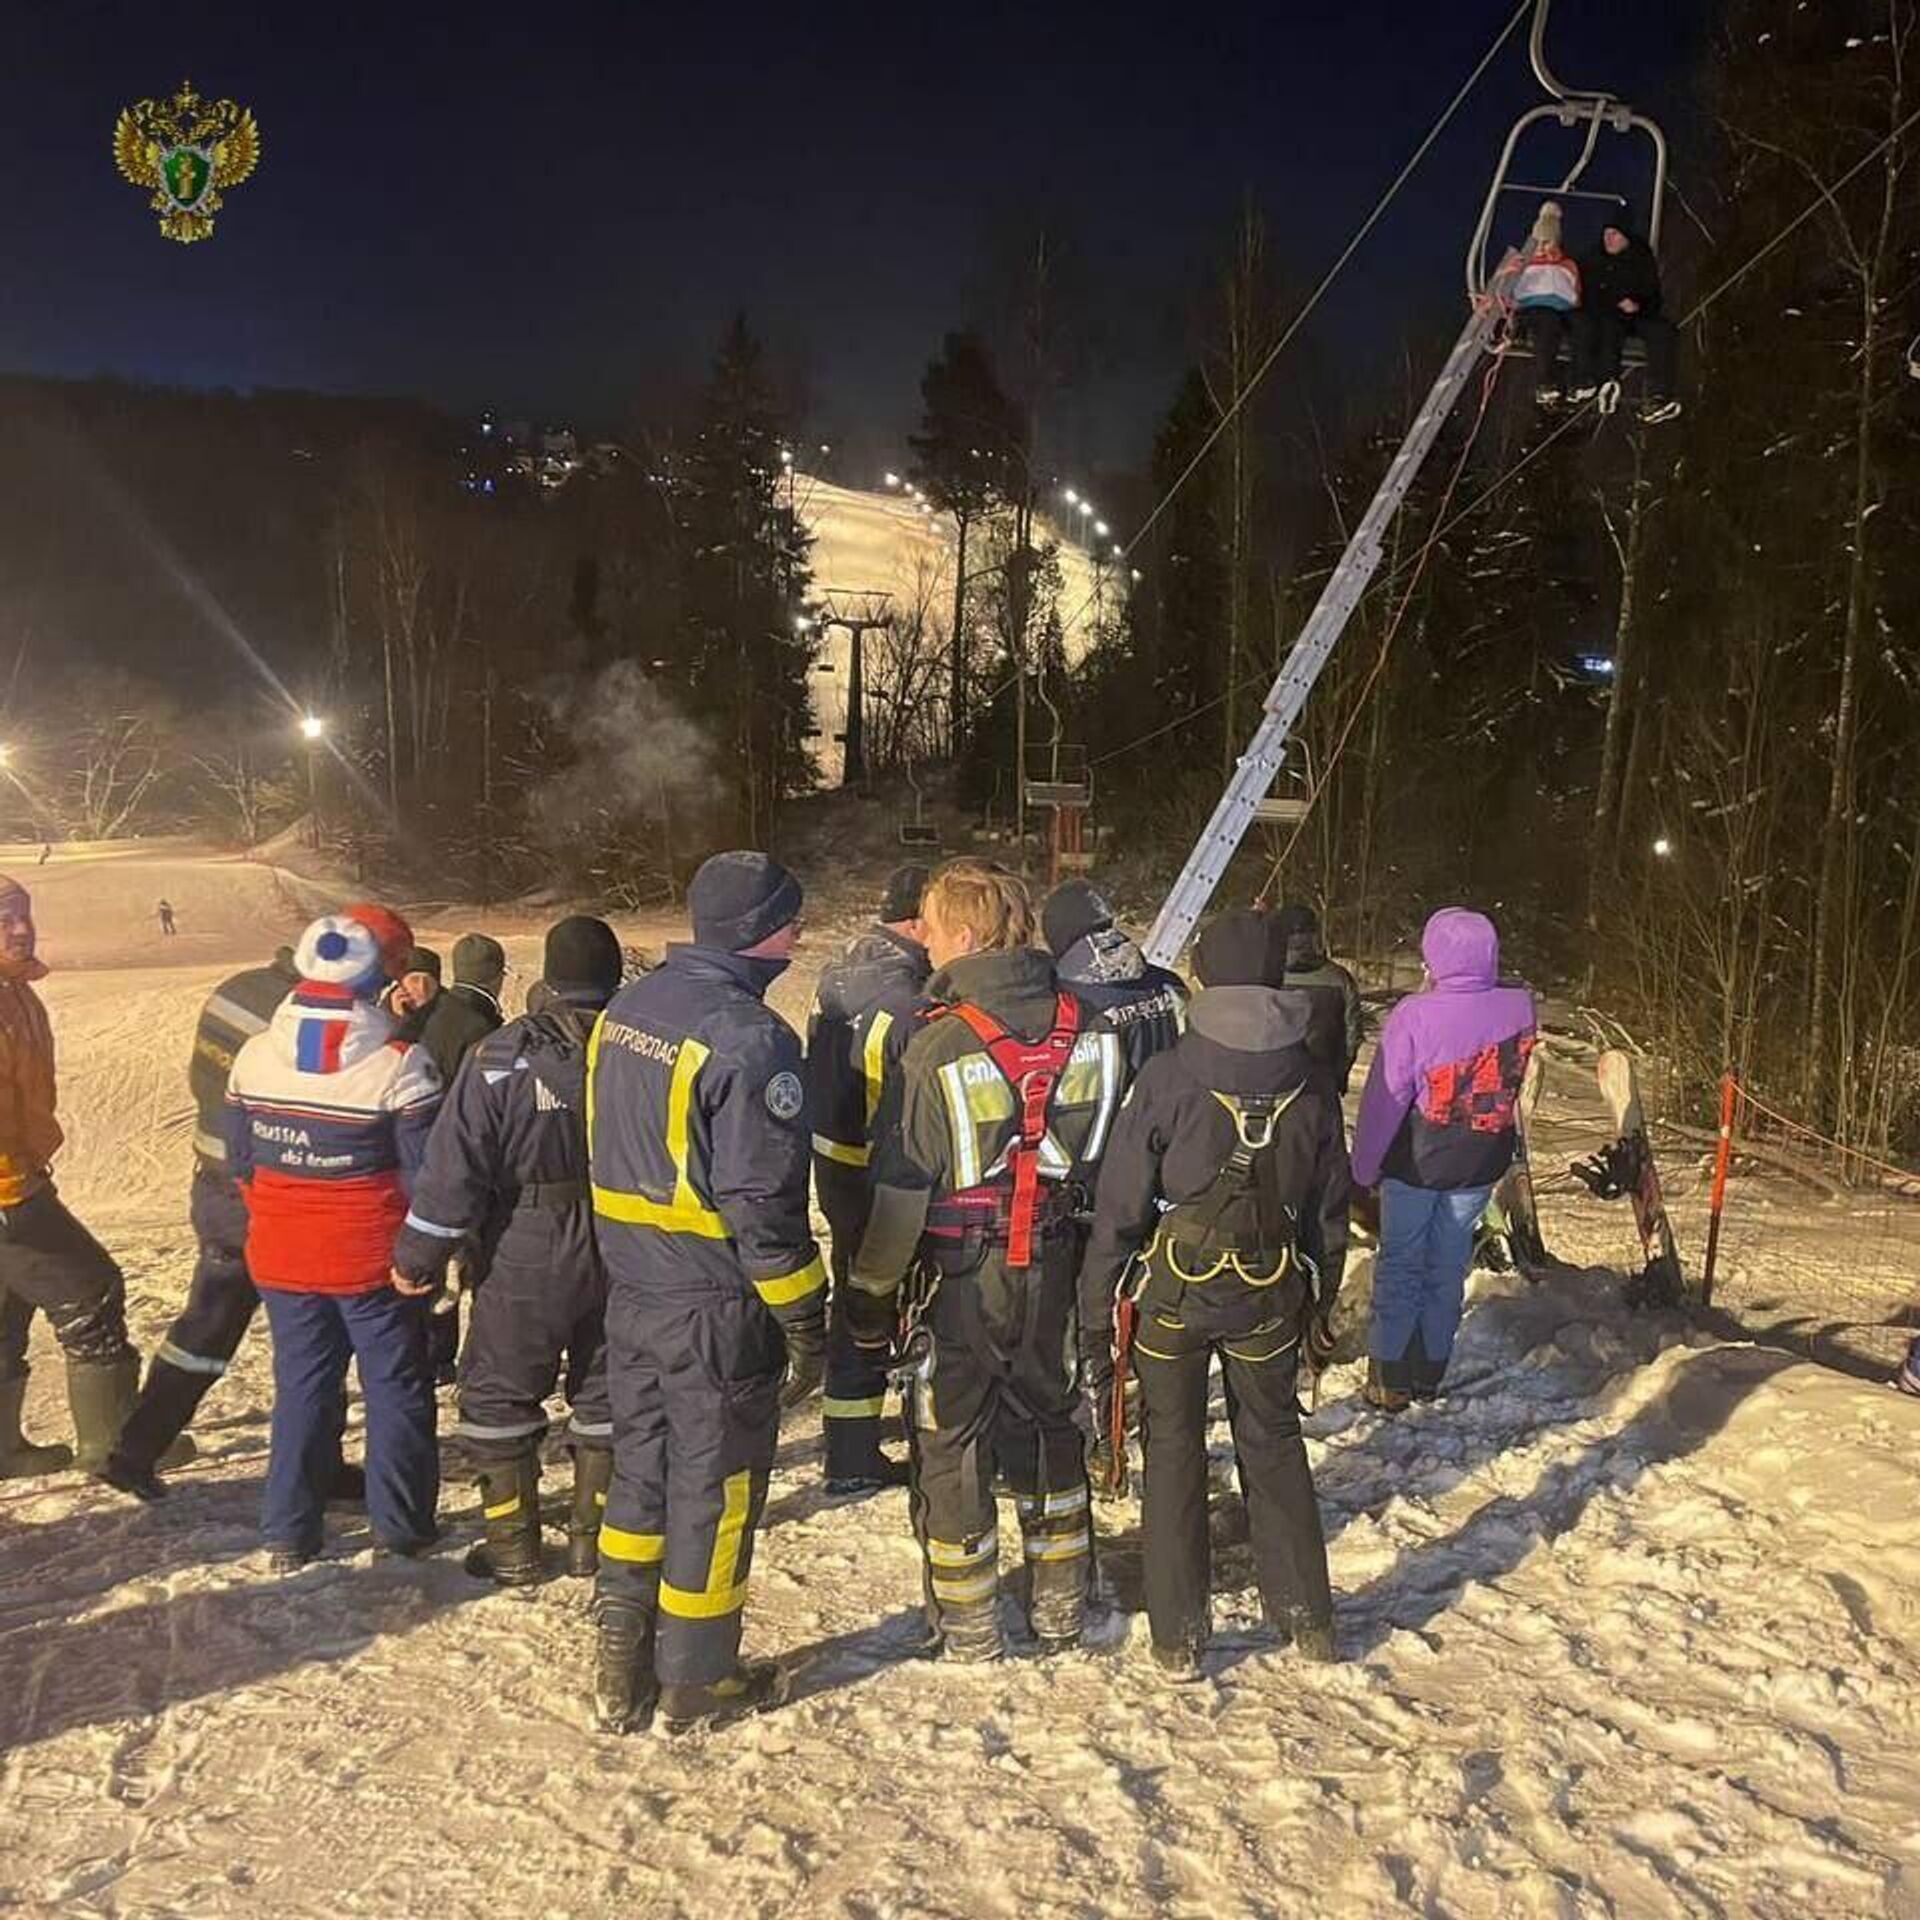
{"points": [[862, 1021], [238, 1008], [949, 1119], [698, 1139], [29, 1134]]}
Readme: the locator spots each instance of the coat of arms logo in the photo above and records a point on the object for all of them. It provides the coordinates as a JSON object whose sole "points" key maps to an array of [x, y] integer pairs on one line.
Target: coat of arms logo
{"points": [[186, 150]]}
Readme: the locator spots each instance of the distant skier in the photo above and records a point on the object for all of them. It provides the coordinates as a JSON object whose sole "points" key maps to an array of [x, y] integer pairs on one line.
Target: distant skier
{"points": [[863, 1017], [1144, 1004], [1435, 1132], [48, 1259], [1339, 1027], [165, 913], [1623, 298], [327, 1119], [46, 854], [506, 1166], [1546, 297], [1227, 1181]]}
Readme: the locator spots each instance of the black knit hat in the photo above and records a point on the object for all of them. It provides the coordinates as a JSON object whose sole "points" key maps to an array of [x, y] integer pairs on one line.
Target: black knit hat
{"points": [[906, 888], [479, 960], [1295, 918], [1240, 949], [421, 960], [583, 959], [1073, 910], [738, 899]]}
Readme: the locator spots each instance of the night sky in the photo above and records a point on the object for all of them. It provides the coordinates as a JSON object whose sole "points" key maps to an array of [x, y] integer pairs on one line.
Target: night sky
{"points": [[553, 208]]}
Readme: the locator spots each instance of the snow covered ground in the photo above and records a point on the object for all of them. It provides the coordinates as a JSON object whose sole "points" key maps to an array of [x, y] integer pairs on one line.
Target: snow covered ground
{"points": [[1631, 1625]]}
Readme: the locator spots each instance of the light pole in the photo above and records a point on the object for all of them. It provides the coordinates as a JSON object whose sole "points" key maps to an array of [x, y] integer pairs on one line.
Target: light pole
{"points": [[313, 730]]}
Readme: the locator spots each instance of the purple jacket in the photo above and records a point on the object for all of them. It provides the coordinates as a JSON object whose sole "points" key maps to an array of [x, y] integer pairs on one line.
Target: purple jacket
{"points": [[1438, 1107]]}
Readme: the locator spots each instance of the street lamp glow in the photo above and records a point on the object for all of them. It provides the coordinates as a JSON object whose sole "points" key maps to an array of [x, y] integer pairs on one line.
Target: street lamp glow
{"points": [[1101, 528], [6, 755], [1137, 574], [312, 727], [893, 479], [1662, 847], [1086, 507], [1073, 499]]}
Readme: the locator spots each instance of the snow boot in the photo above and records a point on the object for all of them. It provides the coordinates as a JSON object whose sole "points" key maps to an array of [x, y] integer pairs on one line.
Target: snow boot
{"points": [[753, 1687], [1380, 1393], [101, 1394], [875, 1475], [624, 1689], [510, 1500], [592, 1475], [155, 1435], [20, 1459]]}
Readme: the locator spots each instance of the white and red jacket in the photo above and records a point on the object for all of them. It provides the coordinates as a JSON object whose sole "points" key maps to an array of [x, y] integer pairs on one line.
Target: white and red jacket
{"points": [[1549, 278], [327, 1119]]}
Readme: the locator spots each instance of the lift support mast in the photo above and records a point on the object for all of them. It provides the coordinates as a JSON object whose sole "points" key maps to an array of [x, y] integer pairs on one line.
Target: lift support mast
{"points": [[1254, 776]]}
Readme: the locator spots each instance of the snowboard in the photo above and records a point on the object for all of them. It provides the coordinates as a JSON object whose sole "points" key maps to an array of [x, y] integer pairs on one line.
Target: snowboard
{"points": [[1627, 1167], [1509, 1237]]}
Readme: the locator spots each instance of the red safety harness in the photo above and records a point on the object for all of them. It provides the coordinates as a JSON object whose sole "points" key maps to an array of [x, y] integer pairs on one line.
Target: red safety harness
{"points": [[1032, 1068]]}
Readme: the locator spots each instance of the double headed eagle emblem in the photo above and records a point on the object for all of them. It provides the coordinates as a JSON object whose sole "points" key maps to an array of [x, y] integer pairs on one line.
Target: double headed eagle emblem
{"points": [[186, 150]]}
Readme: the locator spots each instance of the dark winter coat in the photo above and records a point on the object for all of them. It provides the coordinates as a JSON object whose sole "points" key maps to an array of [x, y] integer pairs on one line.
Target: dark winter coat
{"points": [[948, 1117], [454, 1023], [862, 1021], [238, 1008], [1610, 278], [506, 1163], [1144, 1004], [1174, 1137], [698, 1139], [1338, 1023]]}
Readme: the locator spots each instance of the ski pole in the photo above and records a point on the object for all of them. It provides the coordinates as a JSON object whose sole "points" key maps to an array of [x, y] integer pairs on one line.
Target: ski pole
{"points": [[1722, 1159]]}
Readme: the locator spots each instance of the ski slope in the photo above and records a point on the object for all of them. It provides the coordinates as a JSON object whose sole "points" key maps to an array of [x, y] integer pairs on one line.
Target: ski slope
{"points": [[1630, 1625]]}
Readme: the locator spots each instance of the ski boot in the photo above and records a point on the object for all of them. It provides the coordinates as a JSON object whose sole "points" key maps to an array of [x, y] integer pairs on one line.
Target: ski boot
{"points": [[624, 1689], [753, 1687], [101, 1395], [20, 1459], [510, 1501], [592, 1475]]}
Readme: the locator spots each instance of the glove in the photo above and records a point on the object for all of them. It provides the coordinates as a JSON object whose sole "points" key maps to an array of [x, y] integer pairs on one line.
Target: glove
{"points": [[1318, 1340], [806, 1357], [873, 1319], [1364, 1210]]}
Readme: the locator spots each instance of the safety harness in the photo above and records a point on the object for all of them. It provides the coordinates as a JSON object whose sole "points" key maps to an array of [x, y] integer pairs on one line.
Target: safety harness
{"points": [[1004, 1209], [1235, 1224]]}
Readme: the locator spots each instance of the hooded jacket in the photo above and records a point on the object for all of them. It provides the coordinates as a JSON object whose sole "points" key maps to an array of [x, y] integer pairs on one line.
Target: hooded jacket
{"points": [[327, 1118], [1609, 278], [1174, 1136], [1438, 1109], [862, 1021], [948, 1117], [29, 1133], [1144, 1004]]}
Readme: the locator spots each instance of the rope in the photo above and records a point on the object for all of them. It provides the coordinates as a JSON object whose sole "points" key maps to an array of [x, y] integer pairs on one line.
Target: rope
{"points": [[1849, 1156]]}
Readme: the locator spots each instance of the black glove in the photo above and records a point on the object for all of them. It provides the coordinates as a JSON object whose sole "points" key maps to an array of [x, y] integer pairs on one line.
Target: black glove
{"points": [[806, 1357], [873, 1319], [1319, 1341]]}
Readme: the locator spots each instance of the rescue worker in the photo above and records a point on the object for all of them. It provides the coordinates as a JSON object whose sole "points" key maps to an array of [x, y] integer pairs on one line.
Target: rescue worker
{"points": [[221, 1300], [1339, 1025], [862, 1021], [507, 1166], [1222, 1210], [48, 1259], [1144, 1004], [697, 1130], [327, 1119], [987, 1136]]}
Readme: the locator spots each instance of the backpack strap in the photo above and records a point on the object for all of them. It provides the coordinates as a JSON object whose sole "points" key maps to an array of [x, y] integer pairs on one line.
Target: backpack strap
{"points": [[1032, 1068]]}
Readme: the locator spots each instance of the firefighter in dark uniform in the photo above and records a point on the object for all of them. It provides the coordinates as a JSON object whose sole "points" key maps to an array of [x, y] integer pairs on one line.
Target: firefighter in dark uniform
{"points": [[699, 1148], [1222, 1208], [863, 1018], [999, 1112], [1144, 1004], [221, 1300], [506, 1168]]}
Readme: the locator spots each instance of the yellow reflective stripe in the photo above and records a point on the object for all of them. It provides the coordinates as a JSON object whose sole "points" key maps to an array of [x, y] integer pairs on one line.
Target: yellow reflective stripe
{"points": [[636, 1210], [686, 1070], [638, 1549], [831, 1409], [1069, 1548], [786, 1290], [874, 1062], [976, 1586], [503, 1509], [1073, 1500], [722, 1593], [951, 1553], [593, 1067], [836, 1150]]}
